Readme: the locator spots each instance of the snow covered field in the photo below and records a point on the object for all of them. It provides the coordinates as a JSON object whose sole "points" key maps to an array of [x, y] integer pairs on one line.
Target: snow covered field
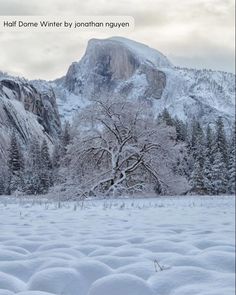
{"points": [[165, 246]]}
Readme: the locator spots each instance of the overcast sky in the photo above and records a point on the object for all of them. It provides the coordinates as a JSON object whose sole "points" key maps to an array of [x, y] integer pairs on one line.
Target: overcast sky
{"points": [[191, 33]]}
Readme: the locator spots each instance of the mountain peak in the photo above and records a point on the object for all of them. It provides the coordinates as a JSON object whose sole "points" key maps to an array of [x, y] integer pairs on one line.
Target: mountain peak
{"points": [[144, 53], [118, 65]]}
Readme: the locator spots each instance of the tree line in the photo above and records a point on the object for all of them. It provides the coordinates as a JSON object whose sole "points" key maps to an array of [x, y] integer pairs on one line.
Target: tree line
{"points": [[116, 147], [32, 169], [210, 164]]}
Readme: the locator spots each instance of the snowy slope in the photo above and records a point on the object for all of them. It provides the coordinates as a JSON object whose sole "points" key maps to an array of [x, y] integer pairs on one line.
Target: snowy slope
{"points": [[203, 94], [119, 66], [167, 246], [68, 103]]}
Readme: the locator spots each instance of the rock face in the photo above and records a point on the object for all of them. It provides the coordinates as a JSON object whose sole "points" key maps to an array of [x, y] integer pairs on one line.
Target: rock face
{"points": [[109, 67], [118, 66], [28, 108]]}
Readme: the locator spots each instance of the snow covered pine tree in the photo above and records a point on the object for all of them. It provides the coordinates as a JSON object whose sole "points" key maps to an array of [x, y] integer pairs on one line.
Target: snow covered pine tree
{"points": [[15, 164]]}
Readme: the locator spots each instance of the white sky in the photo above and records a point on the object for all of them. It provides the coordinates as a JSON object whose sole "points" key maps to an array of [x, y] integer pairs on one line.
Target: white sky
{"points": [[191, 33]]}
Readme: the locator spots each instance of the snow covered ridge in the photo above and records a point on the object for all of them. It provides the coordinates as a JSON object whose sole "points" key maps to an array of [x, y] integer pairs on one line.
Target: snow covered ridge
{"points": [[130, 69], [167, 246]]}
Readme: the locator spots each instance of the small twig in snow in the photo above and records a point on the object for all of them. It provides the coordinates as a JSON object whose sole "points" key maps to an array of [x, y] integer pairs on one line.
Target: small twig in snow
{"points": [[157, 265]]}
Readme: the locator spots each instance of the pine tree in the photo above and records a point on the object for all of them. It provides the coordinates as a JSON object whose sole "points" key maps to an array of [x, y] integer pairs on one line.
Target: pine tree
{"points": [[32, 179], [15, 165], [45, 156], [207, 176], [220, 160], [2, 185], [197, 139], [166, 117], [46, 167], [181, 130], [35, 155], [196, 180], [15, 159], [197, 146], [219, 174], [208, 162], [221, 144], [56, 156], [56, 160], [231, 165], [209, 151], [232, 175], [65, 137]]}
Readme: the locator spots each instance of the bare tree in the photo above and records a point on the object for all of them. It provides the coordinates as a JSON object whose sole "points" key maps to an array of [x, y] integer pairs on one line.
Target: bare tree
{"points": [[120, 148]]}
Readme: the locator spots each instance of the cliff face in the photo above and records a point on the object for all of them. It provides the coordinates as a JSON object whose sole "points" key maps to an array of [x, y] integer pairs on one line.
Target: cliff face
{"points": [[109, 67], [27, 108]]}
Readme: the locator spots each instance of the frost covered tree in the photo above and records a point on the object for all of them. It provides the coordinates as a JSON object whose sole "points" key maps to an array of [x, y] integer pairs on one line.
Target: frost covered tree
{"points": [[45, 156], [35, 155], [217, 153], [220, 143], [65, 137], [57, 159], [198, 142], [166, 118], [219, 174], [4, 178], [197, 180], [209, 158], [181, 129], [120, 148], [2, 186], [38, 173], [197, 147], [4, 175], [208, 162], [15, 159], [208, 177], [59, 152], [209, 146], [32, 178], [15, 164], [232, 175], [46, 167], [231, 165], [56, 156]]}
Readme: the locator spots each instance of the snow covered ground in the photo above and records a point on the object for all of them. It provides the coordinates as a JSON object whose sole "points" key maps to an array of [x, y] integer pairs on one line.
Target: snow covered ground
{"points": [[165, 246]]}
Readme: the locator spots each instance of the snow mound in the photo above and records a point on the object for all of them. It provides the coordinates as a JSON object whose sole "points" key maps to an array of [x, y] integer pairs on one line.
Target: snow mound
{"points": [[11, 283], [174, 281], [92, 270], [56, 280], [119, 285]]}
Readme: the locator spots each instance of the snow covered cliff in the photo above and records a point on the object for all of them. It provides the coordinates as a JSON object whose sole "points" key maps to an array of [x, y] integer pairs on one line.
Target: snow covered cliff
{"points": [[27, 108]]}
